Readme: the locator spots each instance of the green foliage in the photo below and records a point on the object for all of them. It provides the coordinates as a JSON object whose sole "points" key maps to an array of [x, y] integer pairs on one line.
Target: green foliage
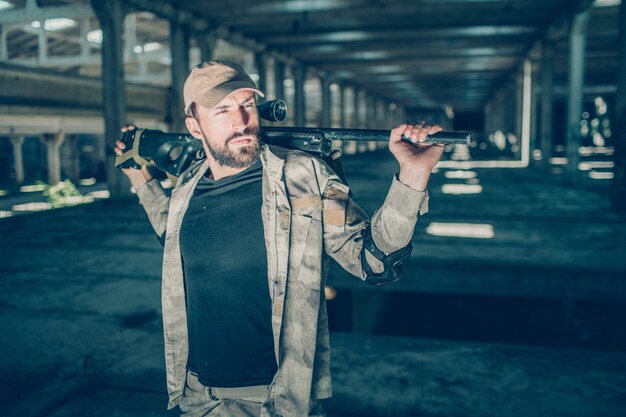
{"points": [[64, 194]]}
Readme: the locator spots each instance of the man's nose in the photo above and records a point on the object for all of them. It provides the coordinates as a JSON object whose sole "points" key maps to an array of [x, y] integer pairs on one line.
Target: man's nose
{"points": [[242, 118]]}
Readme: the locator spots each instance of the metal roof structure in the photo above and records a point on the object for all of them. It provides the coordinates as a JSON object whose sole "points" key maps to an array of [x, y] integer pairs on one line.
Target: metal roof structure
{"points": [[421, 53]]}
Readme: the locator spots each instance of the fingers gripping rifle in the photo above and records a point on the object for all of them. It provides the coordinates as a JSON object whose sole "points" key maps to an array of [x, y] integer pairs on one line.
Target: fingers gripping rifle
{"points": [[174, 152]]}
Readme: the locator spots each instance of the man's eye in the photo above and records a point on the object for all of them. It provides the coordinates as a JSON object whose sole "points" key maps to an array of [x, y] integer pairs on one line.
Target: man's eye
{"points": [[250, 105], [221, 111]]}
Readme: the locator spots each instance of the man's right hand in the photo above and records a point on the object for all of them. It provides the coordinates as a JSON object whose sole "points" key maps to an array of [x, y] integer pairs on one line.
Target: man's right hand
{"points": [[137, 177]]}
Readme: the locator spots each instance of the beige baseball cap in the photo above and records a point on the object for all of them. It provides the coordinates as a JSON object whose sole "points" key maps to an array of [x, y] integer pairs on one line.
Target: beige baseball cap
{"points": [[211, 81]]}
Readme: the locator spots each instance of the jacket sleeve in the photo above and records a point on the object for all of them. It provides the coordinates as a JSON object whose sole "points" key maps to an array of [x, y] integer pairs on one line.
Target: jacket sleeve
{"points": [[156, 202], [346, 224]]}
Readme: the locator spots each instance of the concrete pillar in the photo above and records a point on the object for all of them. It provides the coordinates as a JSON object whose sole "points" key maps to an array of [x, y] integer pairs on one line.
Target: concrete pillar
{"points": [[372, 119], [279, 80], [299, 75], [506, 109], [366, 111], [179, 50], [376, 113], [534, 118], [384, 119], [259, 61], [526, 103], [325, 114], [4, 55], [519, 112], [618, 186], [111, 16], [85, 28], [381, 113], [53, 143], [342, 106], [494, 113], [499, 108], [349, 147], [501, 112], [487, 109], [511, 102], [42, 40], [394, 115], [356, 119], [387, 116], [511, 107], [576, 72], [375, 121], [547, 101], [363, 118], [207, 42], [18, 158], [130, 35], [497, 111]]}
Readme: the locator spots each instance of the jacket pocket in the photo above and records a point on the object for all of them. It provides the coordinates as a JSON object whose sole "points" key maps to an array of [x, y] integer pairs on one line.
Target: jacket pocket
{"points": [[310, 207], [306, 247]]}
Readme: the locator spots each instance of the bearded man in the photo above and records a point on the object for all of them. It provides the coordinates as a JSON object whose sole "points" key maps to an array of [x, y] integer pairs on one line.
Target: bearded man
{"points": [[246, 234]]}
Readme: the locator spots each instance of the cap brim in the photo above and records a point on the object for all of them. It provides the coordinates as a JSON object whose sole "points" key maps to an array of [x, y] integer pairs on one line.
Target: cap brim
{"points": [[212, 98]]}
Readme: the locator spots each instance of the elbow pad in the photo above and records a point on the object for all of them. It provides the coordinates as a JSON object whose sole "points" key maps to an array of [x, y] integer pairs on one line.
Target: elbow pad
{"points": [[393, 263]]}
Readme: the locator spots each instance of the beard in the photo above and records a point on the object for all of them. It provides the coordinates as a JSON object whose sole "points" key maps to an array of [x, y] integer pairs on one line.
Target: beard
{"points": [[240, 157]]}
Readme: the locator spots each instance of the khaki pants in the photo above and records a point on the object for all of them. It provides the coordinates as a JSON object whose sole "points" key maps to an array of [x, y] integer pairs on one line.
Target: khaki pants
{"points": [[197, 402]]}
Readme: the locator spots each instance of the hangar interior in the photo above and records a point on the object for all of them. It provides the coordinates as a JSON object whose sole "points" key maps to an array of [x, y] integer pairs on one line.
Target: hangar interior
{"points": [[468, 65], [514, 298]]}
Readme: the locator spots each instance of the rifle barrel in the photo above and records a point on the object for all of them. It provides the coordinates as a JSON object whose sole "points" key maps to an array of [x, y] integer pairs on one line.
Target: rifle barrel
{"points": [[366, 135]]}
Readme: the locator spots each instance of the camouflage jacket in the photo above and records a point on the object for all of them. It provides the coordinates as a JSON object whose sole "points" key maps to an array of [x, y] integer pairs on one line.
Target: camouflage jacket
{"points": [[307, 216]]}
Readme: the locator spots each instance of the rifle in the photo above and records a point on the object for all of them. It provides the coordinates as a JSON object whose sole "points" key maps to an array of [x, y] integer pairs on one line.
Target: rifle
{"points": [[174, 152]]}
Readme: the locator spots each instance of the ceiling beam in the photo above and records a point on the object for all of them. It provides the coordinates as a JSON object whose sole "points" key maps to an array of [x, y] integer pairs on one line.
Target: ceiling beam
{"points": [[409, 43], [400, 34], [418, 65], [32, 12], [298, 8], [380, 56]]}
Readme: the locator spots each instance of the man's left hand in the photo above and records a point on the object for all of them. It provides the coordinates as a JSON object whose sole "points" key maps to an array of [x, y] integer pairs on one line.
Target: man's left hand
{"points": [[416, 159]]}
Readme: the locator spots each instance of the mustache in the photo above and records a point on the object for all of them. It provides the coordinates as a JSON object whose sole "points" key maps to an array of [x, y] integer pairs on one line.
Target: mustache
{"points": [[246, 132]]}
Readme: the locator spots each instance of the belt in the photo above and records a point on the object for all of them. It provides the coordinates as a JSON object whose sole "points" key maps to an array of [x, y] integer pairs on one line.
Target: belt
{"points": [[239, 392]]}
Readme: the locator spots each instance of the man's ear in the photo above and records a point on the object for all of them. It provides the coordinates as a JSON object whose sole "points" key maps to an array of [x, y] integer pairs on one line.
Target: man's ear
{"points": [[193, 127]]}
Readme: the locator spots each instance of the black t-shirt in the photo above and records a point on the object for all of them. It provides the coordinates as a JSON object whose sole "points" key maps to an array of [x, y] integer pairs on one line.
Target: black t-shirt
{"points": [[225, 265]]}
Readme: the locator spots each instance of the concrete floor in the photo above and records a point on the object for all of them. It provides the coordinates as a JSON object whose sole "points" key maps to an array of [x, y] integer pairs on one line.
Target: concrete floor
{"points": [[80, 331]]}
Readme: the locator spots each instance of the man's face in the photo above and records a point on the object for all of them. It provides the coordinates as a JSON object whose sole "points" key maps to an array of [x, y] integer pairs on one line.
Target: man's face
{"points": [[230, 129]]}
